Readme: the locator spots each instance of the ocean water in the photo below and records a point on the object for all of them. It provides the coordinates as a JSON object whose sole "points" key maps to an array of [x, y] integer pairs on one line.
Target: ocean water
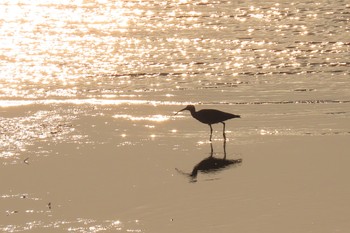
{"points": [[103, 76]]}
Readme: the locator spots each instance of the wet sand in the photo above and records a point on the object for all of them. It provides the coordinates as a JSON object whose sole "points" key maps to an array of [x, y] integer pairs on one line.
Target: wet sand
{"points": [[133, 176]]}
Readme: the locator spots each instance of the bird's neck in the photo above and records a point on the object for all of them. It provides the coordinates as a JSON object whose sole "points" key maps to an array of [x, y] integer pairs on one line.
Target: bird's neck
{"points": [[193, 113]]}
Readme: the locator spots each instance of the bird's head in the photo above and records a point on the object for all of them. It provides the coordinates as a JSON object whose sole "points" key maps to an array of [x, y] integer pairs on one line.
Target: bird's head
{"points": [[188, 107]]}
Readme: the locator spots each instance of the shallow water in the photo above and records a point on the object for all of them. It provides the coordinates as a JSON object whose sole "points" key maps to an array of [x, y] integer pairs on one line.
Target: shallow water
{"points": [[88, 92]]}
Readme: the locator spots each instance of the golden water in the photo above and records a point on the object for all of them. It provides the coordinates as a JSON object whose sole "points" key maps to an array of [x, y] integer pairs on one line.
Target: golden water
{"points": [[81, 80]]}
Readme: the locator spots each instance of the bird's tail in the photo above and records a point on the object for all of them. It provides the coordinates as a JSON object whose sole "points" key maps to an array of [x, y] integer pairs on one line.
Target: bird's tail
{"points": [[236, 116]]}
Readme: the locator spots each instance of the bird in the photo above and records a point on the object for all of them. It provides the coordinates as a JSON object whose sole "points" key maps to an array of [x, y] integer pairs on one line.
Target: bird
{"points": [[209, 117]]}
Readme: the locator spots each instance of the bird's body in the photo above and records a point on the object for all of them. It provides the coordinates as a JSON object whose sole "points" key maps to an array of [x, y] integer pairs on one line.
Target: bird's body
{"points": [[210, 116]]}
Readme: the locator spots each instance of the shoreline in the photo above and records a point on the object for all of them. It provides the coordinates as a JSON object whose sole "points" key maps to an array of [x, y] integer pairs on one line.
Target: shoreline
{"points": [[285, 183]]}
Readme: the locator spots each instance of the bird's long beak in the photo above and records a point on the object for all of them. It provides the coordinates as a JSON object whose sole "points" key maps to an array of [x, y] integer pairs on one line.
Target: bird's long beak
{"points": [[179, 111]]}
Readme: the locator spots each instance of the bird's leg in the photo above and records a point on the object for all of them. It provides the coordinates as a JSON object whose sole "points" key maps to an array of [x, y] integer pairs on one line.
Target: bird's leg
{"points": [[211, 132], [224, 149], [211, 150], [223, 130]]}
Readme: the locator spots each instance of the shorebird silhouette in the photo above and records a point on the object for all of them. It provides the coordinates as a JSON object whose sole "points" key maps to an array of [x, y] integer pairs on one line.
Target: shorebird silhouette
{"points": [[210, 116]]}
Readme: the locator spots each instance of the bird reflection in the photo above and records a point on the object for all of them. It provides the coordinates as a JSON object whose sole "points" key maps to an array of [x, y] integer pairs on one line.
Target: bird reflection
{"points": [[211, 164]]}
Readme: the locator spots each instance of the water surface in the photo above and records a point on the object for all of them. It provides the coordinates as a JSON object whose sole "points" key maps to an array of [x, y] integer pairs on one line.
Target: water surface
{"points": [[88, 90]]}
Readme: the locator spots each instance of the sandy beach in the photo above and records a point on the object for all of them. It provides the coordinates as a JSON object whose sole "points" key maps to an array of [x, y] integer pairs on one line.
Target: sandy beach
{"points": [[134, 176]]}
